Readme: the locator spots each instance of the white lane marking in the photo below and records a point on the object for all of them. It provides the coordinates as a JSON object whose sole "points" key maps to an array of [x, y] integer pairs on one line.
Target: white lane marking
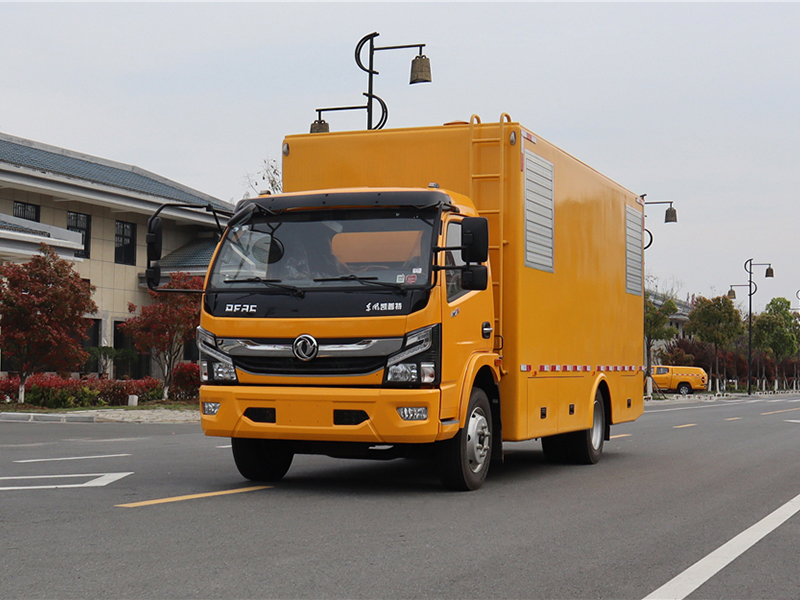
{"points": [[28, 445], [228, 446], [700, 572], [127, 439], [100, 480], [774, 401], [795, 400], [33, 460], [660, 410], [791, 421]]}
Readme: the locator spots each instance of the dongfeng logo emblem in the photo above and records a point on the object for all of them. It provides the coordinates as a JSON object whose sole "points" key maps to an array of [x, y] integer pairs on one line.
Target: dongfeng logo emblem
{"points": [[305, 347]]}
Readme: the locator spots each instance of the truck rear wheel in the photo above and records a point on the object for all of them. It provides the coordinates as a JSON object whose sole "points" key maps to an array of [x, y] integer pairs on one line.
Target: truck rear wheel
{"points": [[586, 446], [261, 460], [464, 460], [684, 389]]}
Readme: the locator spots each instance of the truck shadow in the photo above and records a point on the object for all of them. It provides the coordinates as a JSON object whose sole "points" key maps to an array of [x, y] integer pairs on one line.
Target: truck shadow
{"points": [[326, 476]]}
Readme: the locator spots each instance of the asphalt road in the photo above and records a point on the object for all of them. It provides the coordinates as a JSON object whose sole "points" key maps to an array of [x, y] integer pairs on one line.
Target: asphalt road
{"points": [[686, 480]]}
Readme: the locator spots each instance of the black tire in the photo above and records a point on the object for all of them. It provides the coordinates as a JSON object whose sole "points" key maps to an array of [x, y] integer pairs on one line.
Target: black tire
{"points": [[585, 447], [684, 389], [464, 460], [261, 460]]}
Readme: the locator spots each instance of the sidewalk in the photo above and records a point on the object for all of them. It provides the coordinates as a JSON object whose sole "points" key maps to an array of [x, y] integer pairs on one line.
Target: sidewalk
{"points": [[108, 415]]}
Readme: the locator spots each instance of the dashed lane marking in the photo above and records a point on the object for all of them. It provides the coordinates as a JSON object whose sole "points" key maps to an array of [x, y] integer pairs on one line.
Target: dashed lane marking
{"points": [[621, 435], [34, 460], [734, 419], [683, 426], [777, 412], [193, 496]]}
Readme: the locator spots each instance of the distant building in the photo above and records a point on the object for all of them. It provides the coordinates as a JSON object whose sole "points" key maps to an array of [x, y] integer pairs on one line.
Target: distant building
{"points": [[94, 212], [677, 320]]}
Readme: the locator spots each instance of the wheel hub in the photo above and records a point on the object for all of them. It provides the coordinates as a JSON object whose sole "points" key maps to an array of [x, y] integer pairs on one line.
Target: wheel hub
{"points": [[478, 440]]}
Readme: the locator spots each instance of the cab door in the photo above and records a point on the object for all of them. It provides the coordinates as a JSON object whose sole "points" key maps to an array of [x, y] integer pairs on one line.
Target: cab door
{"points": [[661, 377], [467, 316]]}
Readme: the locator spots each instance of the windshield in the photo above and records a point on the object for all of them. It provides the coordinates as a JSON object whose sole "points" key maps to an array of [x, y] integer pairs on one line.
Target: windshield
{"points": [[312, 250]]}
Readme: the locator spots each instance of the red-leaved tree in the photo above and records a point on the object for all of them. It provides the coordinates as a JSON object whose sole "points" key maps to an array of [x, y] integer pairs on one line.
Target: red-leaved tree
{"points": [[42, 307], [162, 328]]}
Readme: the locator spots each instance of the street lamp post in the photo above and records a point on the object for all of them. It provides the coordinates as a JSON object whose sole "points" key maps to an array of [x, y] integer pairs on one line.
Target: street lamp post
{"points": [[748, 266], [420, 73], [670, 216]]}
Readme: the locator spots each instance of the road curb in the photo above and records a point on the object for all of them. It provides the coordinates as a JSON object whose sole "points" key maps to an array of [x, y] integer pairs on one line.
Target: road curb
{"points": [[45, 418]]}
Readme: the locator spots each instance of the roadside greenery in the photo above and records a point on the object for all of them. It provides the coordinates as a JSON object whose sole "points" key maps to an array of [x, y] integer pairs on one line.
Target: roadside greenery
{"points": [[718, 343]]}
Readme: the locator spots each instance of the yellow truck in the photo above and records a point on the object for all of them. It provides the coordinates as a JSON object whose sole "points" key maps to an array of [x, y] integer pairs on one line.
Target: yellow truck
{"points": [[679, 379], [425, 292]]}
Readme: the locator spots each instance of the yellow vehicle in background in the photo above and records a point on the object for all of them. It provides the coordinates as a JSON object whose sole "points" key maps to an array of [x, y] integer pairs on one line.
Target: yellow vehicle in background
{"points": [[425, 292], [679, 379]]}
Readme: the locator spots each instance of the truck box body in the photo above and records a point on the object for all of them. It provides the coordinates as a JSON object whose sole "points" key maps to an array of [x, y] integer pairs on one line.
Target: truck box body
{"points": [[565, 251]]}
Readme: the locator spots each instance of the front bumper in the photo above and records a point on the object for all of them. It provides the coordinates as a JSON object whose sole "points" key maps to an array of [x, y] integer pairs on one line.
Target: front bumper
{"points": [[305, 413]]}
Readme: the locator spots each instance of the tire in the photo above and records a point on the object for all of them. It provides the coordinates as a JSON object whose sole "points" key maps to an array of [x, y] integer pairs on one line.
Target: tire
{"points": [[464, 460], [585, 447], [261, 460], [684, 389]]}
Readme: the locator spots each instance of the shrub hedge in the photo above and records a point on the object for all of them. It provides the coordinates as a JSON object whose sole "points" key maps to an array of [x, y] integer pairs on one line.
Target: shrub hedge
{"points": [[52, 391]]}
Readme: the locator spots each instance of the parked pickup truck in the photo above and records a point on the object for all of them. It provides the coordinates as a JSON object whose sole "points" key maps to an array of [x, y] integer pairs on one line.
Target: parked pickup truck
{"points": [[680, 379]]}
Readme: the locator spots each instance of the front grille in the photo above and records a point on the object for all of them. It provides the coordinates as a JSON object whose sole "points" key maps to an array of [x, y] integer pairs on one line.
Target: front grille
{"points": [[259, 365]]}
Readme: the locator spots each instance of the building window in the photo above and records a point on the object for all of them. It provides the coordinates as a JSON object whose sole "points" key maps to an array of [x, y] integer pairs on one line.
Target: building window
{"points": [[23, 210], [83, 225], [125, 243]]}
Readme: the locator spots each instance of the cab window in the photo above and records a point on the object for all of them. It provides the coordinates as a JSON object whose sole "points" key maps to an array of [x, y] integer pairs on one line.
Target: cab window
{"points": [[662, 370]]}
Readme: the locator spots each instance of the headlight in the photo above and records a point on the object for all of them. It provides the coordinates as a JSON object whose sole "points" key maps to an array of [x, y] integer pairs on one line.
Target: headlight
{"points": [[215, 366], [418, 361]]}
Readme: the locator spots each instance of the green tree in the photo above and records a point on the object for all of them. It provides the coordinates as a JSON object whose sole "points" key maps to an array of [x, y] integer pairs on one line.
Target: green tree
{"points": [[656, 324], [42, 307], [716, 322], [777, 323]]}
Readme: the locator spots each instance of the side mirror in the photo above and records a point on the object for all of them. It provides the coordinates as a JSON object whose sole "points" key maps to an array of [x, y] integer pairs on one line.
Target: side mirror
{"points": [[153, 276], [276, 251], [153, 238], [476, 277], [475, 240]]}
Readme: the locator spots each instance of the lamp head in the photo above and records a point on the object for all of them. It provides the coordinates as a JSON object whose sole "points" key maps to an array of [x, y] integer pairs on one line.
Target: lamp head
{"points": [[320, 126], [420, 69], [671, 216], [731, 294], [770, 272]]}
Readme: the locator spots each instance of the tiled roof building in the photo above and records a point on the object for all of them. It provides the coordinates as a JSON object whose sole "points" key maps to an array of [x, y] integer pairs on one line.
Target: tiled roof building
{"points": [[94, 211]]}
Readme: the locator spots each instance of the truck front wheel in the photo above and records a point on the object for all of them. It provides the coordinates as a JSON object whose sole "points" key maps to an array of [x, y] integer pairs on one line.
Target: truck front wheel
{"points": [[464, 460], [261, 460]]}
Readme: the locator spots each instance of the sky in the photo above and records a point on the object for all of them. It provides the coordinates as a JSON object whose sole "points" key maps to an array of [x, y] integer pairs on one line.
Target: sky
{"points": [[697, 103]]}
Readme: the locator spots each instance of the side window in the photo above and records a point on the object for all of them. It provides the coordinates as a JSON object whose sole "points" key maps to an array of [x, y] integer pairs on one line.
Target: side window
{"points": [[125, 243], [662, 370], [452, 258]]}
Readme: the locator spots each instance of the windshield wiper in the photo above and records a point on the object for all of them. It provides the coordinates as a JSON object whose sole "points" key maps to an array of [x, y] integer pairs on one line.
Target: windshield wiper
{"points": [[400, 287], [275, 283]]}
